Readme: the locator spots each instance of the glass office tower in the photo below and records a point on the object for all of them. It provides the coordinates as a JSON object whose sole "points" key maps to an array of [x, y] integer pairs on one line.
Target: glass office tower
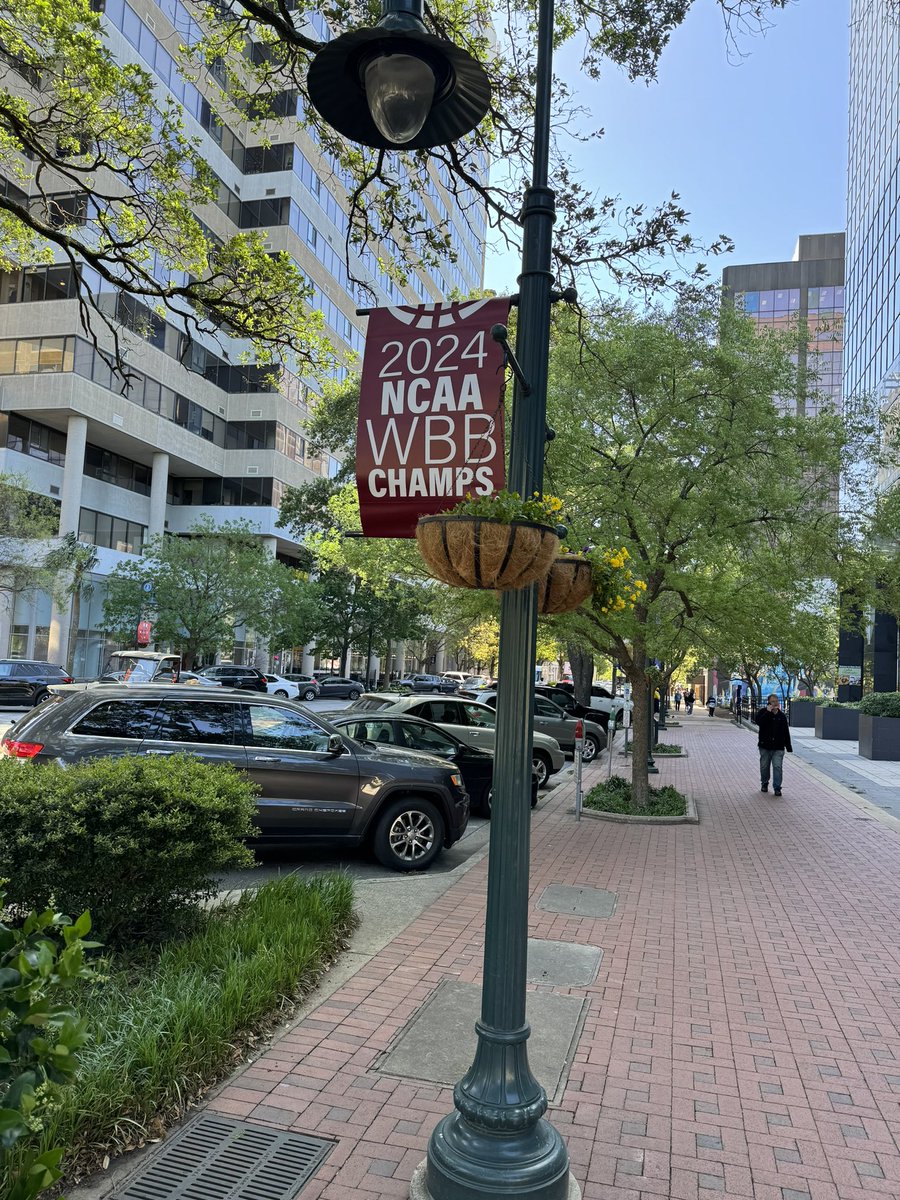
{"points": [[872, 346]]}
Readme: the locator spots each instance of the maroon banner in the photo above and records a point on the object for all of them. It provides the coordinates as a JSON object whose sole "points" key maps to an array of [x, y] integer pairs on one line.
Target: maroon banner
{"points": [[430, 412]]}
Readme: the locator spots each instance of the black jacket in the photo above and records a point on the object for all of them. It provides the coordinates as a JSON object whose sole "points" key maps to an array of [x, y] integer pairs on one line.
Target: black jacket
{"points": [[774, 731]]}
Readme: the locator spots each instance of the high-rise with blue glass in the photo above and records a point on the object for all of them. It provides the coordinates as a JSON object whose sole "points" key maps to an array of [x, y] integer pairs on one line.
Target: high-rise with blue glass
{"points": [[872, 347], [198, 431]]}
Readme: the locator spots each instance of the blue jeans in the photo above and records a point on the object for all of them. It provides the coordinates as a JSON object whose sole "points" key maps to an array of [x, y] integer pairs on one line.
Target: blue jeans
{"points": [[775, 760]]}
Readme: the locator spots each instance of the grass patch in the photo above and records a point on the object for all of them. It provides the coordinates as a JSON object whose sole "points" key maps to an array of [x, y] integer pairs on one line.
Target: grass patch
{"points": [[667, 748], [166, 1024], [614, 796]]}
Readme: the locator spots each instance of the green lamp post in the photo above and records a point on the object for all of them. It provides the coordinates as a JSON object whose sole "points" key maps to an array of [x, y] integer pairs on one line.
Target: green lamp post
{"points": [[394, 86]]}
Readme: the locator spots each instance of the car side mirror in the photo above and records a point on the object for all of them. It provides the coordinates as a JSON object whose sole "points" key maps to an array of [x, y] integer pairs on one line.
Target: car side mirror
{"points": [[336, 744]]}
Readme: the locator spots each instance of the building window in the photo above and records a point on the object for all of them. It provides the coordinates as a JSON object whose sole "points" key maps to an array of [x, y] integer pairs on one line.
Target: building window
{"points": [[36, 440], [113, 533]]}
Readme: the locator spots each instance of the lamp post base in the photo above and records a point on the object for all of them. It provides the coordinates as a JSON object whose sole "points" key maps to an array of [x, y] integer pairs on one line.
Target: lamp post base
{"points": [[418, 1187]]}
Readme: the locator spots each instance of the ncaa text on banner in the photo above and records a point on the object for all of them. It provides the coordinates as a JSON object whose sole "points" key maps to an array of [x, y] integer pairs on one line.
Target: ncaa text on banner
{"points": [[430, 412]]}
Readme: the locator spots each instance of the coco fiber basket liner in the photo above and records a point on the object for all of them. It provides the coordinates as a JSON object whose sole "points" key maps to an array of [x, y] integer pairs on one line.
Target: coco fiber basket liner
{"points": [[479, 552], [566, 585]]}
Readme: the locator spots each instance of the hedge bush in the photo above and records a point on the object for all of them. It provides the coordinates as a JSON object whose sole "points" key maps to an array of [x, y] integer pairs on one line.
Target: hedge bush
{"points": [[41, 1039], [881, 704], [137, 841]]}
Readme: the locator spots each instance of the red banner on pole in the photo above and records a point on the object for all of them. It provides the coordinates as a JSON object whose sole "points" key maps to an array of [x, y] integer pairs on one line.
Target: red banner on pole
{"points": [[430, 412]]}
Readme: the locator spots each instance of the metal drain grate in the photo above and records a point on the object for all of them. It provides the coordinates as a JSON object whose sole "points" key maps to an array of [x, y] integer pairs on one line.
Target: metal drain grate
{"points": [[218, 1158]]}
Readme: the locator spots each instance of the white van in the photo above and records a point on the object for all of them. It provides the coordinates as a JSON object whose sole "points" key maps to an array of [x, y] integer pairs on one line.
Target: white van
{"points": [[457, 676]]}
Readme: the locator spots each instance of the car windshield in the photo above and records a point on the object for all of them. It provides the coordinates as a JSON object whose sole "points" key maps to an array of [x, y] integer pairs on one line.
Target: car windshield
{"points": [[131, 670]]}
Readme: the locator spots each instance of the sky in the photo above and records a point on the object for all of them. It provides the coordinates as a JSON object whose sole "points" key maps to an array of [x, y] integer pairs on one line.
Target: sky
{"points": [[756, 145]]}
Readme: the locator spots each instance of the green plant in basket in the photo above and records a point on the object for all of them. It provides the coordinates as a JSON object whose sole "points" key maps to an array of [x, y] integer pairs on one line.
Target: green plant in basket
{"points": [[509, 506]]}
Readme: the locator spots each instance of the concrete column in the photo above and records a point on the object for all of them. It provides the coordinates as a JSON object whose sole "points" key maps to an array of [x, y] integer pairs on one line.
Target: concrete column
{"points": [[440, 661], [308, 662], [261, 654], [400, 659], [6, 615], [159, 482], [69, 516], [373, 669]]}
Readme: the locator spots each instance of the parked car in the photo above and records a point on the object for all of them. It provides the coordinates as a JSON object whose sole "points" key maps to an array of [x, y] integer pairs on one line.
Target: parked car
{"points": [[195, 680], [602, 701], [373, 701], [315, 784], [24, 682], [549, 718], [474, 723], [232, 675], [428, 683], [337, 685], [477, 766], [309, 686], [137, 667], [474, 685], [278, 685], [456, 677]]}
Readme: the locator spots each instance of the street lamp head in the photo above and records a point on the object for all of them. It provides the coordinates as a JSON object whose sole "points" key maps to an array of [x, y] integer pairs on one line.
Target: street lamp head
{"points": [[397, 87]]}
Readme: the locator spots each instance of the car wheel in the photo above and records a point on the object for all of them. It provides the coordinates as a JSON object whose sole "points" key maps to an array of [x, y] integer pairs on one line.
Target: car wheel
{"points": [[540, 765], [354, 695], [409, 835], [41, 698], [309, 694], [591, 749], [282, 693]]}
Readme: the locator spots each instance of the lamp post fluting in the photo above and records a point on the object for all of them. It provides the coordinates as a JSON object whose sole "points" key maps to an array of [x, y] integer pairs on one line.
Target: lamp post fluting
{"points": [[496, 1142]]}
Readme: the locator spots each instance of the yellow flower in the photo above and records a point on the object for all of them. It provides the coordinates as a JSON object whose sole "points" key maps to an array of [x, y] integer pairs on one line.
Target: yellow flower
{"points": [[633, 597]]}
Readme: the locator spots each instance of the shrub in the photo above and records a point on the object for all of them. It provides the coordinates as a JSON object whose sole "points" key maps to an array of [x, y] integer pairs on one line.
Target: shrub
{"points": [[667, 748], [138, 841], [881, 704], [168, 1023], [614, 796], [41, 1038]]}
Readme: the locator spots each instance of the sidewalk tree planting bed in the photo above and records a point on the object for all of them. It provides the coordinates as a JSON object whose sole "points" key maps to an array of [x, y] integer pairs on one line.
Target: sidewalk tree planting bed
{"points": [[614, 796], [165, 1023], [837, 722], [879, 726]]}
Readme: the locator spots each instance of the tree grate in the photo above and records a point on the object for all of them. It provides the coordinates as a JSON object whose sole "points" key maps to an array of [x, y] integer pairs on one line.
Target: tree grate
{"points": [[219, 1158]]}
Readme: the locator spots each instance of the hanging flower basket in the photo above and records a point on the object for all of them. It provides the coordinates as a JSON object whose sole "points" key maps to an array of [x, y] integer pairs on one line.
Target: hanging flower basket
{"points": [[484, 552], [567, 585]]}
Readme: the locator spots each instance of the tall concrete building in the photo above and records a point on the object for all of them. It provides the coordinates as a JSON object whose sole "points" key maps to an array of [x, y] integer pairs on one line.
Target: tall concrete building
{"points": [[194, 433], [808, 289], [872, 356]]}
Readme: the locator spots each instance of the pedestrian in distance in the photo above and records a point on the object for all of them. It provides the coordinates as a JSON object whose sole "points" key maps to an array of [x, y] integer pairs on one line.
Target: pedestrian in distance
{"points": [[774, 739], [678, 699], [711, 705], [689, 700]]}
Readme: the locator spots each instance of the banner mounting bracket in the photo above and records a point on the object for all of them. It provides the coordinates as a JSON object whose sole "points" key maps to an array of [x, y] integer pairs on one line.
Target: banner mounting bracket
{"points": [[500, 334]]}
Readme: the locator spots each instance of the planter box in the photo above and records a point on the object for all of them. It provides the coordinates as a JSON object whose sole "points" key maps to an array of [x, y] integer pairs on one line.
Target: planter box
{"points": [[803, 714], [838, 724], [879, 737]]}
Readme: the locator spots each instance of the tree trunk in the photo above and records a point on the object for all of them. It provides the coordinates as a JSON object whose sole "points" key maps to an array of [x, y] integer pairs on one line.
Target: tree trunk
{"points": [[74, 619], [345, 654], [581, 661], [640, 744]]}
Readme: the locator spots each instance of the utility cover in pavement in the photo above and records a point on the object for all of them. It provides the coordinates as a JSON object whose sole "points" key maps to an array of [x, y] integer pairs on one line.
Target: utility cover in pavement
{"points": [[563, 963], [579, 901], [439, 1042], [218, 1158]]}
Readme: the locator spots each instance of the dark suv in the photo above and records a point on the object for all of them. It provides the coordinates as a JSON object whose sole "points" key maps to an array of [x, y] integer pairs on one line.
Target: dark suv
{"points": [[246, 679], [24, 683], [314, 784]]}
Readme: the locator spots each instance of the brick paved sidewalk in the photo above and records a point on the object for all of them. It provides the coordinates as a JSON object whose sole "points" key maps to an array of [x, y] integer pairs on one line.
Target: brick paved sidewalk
{"points": [[743, 1033]]}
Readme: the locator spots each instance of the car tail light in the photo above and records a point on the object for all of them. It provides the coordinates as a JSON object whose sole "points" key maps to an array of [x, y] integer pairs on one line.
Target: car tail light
{"points": [[16, 749], [68, 679]]}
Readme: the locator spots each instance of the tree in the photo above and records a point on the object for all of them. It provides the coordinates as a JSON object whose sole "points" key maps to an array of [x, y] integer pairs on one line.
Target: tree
{"points": [[199, 588], [105, 177], [482, 643], [670, 444], [32, 556], [81, 560]]}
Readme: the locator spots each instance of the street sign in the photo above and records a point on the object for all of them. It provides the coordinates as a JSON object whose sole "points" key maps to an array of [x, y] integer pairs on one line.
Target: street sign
{"points": [[147, 587], [430, 412]]}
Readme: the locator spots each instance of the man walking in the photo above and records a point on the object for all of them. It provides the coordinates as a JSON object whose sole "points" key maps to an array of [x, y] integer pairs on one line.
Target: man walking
{"points": [[774, 739]]}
